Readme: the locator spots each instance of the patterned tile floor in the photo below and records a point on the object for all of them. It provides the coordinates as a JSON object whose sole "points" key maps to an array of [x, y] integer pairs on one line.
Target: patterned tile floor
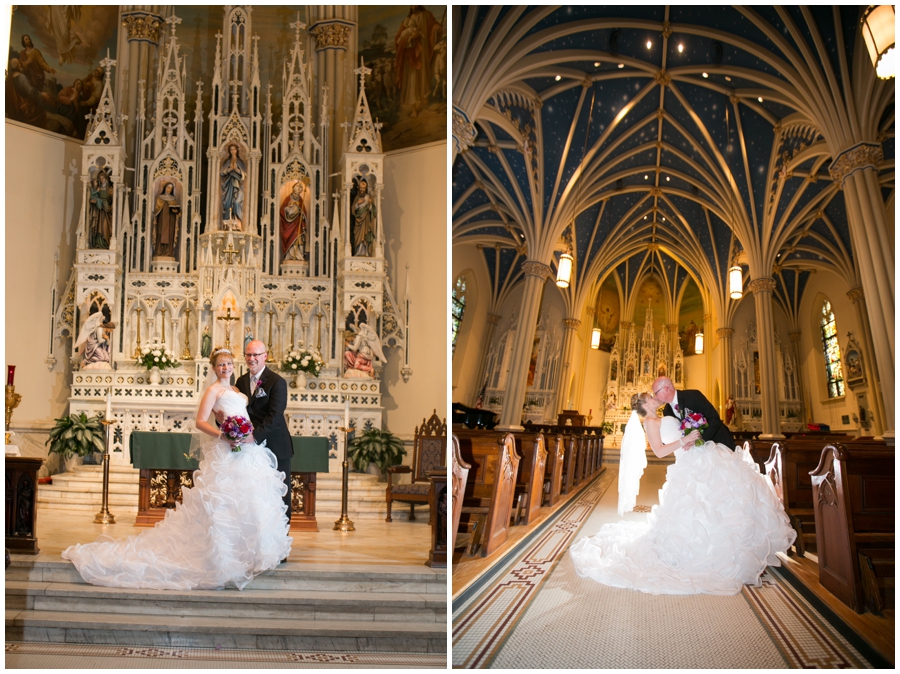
{"points": [[540, 614], [77, 656]]}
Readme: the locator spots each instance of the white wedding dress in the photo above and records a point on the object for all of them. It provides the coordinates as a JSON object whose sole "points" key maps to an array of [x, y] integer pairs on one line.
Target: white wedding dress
{"points": [[717, 526], [229, 528]]}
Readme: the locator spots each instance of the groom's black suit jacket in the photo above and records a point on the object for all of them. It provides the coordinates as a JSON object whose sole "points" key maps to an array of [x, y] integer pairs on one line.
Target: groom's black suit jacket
{"points": [[267, 416], [697, 402]]}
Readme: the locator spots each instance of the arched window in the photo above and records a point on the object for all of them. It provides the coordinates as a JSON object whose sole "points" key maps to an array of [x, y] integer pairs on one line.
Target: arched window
{"points": [[458, 308], [833, 371]]}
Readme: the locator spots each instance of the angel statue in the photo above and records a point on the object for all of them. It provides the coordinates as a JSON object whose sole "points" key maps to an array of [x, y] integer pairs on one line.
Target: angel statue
{"points": [[95, 335], [360, 353]]}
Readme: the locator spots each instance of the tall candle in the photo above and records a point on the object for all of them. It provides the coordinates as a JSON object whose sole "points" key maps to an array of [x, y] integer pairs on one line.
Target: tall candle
{"points": [[10, 374], [109, 404], [346, 412], [590, 410]]}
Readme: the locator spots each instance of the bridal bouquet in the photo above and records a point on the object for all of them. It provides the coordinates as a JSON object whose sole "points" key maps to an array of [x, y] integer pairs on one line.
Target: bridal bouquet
{"points": [[235, 429], [693, 421]]}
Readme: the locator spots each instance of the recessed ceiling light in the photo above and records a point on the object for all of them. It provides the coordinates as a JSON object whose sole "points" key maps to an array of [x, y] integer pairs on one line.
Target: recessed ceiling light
{"points": [[680, 47], [727, 79], [621, 65], [596, 64], [705, 74], [649, 44], [759, 99], [558, 78]]}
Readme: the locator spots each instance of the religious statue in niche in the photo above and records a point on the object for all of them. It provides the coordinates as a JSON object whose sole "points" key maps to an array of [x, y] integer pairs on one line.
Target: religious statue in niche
{"points": [[361, 352], [96, 336], [166, 215], [248, 337], [614, 370], [206, 342], [629, 374], [233, 173], [363, 218], [100, 201], [294, 225]]}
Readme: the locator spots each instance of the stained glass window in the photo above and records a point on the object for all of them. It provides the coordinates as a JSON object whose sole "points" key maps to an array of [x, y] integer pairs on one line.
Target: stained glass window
{"points": [[832, 350], [458, 308]]}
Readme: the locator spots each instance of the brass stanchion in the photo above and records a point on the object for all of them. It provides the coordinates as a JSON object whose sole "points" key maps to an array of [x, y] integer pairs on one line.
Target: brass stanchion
{"points": [[345, 523], [104, 516]]}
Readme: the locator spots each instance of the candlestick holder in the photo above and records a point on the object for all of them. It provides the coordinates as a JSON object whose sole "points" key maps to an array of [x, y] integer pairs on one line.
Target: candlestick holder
{"points": [[104, 516], [344, 523], [12, 402]]}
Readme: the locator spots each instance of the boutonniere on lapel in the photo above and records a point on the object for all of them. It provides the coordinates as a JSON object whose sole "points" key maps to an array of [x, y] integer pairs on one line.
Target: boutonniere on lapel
{"points": [[260, 392]]}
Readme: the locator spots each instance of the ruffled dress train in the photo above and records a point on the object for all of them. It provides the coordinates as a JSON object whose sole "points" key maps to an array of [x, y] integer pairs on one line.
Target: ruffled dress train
{"points": [[230, 527], [717, 526]]}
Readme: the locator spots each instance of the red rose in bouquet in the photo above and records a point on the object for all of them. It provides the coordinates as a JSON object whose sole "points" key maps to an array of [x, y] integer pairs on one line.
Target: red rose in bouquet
{"points": [[693, 421]]}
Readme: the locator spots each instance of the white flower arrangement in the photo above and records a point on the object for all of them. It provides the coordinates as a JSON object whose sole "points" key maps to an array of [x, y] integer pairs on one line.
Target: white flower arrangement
{"points": [[303, 361], [157, 355]]}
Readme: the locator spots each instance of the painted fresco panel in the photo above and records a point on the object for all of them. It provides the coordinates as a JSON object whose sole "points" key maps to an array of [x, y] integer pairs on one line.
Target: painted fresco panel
{"points": [[54, 75], [690, 318]]}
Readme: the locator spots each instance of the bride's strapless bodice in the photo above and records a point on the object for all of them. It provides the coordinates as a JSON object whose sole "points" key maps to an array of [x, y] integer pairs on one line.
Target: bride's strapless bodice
{"points": [[669, 430], [232, 403]]}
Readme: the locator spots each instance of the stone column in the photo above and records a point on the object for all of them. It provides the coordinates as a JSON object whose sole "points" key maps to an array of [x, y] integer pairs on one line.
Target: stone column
{"points": [[857, 296], [855, 169], [707, 351], [724, 336], [137, 60], [492, 321], [768, 366], [571, 328], [463, 132], [536, 273], [795, 344], [333, 28]]}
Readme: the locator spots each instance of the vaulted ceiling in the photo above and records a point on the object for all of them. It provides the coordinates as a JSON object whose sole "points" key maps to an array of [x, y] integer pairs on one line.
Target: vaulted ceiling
{"points": [[658, 139]]}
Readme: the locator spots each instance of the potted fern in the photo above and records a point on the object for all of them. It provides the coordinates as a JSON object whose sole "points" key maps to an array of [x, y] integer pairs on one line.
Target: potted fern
{"points": [[77, 435], [381, 448]]}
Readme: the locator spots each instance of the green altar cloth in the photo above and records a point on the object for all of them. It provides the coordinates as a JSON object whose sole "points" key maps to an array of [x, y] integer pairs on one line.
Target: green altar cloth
{"points": [[166, 451]]}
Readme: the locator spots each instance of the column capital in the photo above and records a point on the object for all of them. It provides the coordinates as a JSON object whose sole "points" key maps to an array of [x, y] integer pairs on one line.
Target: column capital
{"points": [[672, 327], [142, 27], [591, 311], [535, 268], [464, 131], [707, 318], [855, 294], [724, 333], [331, 35], [572, 323], [625, 325], [860, 156], [795, 336], [762, 285], [493, 319]]}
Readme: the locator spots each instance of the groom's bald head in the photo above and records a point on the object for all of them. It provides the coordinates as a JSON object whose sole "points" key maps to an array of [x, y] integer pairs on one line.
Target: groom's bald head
{"points": [[664, 390]]}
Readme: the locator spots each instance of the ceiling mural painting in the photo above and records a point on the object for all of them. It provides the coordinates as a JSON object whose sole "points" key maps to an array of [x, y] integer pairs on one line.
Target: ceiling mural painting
{"points": [[672, 137]]}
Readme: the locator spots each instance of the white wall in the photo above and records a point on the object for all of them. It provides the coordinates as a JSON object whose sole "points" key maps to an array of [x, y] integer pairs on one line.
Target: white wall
{"points": [[415, 227]]}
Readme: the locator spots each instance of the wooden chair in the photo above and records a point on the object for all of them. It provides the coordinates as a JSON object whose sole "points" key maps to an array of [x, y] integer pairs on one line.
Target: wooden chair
{"points": [[429, 453], [458, 477]]}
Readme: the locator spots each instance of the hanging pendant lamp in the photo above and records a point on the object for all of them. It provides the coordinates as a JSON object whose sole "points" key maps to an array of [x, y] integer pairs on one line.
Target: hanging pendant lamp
{"points": [[698, 343], [736, 282], [564, 270], [877, 27]]}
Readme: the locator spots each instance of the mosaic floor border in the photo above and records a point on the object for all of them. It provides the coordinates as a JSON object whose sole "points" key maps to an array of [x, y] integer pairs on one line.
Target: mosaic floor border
{"points": [[362, 659]]}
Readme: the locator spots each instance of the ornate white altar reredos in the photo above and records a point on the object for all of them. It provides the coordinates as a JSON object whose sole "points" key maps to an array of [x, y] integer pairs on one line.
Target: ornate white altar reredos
{"points": [[260, 249]]}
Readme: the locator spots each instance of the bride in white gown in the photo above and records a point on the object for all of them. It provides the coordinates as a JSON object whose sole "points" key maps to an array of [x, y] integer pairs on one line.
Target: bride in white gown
{"points": [[717, 526], [230, 527]]}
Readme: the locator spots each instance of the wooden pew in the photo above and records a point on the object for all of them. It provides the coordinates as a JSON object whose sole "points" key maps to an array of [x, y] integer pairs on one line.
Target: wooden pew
{"points": [[530, 477], [853, 491], [459, 474], [490, 486], [569, 462], [553, 475]]}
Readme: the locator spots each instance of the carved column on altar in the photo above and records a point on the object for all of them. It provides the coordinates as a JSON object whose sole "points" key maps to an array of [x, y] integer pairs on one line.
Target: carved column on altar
{"points": [[857, 296], [562, 386], [855, 169], [536, 274], [333, 37], [762, 289]]}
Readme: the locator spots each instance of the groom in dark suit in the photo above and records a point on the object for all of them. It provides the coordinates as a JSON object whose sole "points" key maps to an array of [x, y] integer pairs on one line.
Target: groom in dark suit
{"points": [[678, 401], [267, 394]]}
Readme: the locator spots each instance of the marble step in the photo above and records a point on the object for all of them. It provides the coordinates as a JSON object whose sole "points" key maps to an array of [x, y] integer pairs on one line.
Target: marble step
{"points": [[290, 576], [311, 605], [287, 633]]}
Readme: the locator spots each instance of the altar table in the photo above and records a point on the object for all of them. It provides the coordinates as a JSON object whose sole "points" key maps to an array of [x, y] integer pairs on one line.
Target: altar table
{"points": [[166, 468]]}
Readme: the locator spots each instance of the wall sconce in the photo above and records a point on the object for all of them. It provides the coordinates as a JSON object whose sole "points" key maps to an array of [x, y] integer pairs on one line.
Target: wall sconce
{"points": [[698, 343], [877, 27], [736, 282], [564, 270], [595, 338]]}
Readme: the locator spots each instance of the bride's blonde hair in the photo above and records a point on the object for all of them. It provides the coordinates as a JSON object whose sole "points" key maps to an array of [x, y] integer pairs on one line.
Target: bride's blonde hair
{"points": [[637, 403], [218, 352]]}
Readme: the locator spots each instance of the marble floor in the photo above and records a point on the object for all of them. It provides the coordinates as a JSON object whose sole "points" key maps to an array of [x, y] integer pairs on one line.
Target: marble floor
{"points": [[397, 543]]}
